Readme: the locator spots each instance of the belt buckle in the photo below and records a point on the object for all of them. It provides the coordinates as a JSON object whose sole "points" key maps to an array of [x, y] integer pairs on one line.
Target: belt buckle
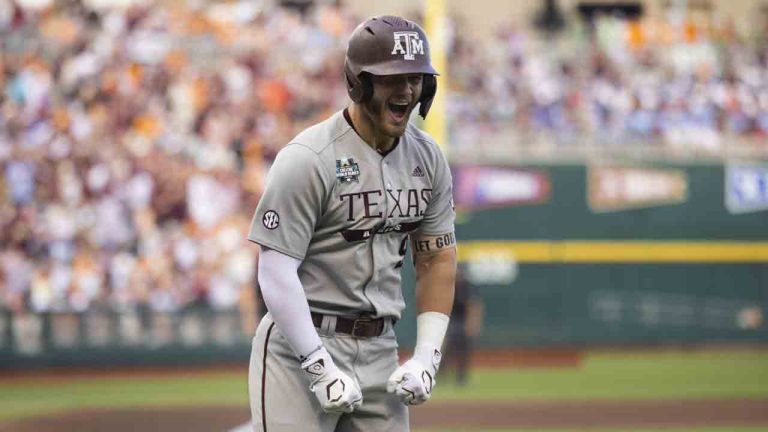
{"points": [[363, 322]]}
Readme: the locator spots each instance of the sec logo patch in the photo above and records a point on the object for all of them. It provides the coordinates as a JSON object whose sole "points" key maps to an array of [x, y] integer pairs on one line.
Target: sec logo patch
{"points": [[271, 220]]}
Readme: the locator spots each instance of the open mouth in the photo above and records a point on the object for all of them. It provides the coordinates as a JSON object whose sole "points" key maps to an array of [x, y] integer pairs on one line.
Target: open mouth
{"points": [[398, 110]]}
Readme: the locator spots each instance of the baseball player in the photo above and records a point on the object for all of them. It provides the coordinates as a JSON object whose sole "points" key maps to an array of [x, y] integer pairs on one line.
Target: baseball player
{"points": [[343, 200]]}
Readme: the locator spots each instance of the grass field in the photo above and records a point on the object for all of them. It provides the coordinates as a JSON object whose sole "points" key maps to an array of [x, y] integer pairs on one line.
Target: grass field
{"points": [[654, 375], [641, 376]]}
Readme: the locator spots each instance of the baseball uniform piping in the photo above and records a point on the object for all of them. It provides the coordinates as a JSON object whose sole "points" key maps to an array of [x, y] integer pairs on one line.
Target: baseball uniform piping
{"points": [[264, 379]]}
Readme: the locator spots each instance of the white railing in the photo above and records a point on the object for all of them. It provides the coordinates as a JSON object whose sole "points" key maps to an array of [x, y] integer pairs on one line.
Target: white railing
{"points": [[545, 148]]}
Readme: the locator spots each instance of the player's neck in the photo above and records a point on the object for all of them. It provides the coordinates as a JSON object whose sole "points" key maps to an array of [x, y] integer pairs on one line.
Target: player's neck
{"points": [[366, 129]]}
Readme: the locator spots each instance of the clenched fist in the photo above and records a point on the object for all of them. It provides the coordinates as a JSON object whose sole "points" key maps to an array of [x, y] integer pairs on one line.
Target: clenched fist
{"points": [[414, 380], [336, 391]]}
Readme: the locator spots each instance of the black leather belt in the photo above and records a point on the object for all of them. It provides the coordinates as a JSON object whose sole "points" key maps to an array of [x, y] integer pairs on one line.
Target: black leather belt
{"points": [[359, 327]]}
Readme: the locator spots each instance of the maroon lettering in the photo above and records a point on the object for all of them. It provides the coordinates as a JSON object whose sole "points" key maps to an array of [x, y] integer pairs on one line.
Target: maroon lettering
{"points": [[396, 200], [368, 203], [413, 202], [426, 197], [351, 197]]}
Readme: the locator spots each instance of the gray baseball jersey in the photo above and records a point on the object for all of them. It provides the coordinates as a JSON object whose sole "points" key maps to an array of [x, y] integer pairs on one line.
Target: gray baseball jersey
{"points": [[346, 211]]}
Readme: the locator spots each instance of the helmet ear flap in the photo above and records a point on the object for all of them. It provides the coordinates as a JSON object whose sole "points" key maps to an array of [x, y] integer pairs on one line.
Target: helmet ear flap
{"points": [[366, 83], [360, 89], [428, 91]]}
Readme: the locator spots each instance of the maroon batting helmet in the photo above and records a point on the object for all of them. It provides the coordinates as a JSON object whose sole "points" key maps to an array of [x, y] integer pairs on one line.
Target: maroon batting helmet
{"points": [[388, 45]]}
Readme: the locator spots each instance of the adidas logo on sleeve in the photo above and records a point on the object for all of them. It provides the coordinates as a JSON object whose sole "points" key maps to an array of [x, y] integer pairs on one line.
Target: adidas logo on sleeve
{"points": [[417, 172]]}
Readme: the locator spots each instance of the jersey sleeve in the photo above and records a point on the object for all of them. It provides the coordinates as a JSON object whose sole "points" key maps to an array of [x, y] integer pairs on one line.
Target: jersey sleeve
{"points": [[440, 215], [292, 202]]}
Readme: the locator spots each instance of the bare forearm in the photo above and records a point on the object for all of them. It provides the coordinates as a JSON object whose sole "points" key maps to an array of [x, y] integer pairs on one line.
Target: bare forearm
{"points": [[435, 280]]}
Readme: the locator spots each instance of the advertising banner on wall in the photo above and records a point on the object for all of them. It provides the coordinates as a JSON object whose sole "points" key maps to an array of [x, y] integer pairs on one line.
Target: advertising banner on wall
{"points": [[477, 187], [623, 188], [746, 188]]}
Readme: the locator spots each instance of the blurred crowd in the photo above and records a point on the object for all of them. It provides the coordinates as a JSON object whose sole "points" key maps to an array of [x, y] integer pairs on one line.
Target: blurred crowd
{"points": [[680, 83], [134, 140]]}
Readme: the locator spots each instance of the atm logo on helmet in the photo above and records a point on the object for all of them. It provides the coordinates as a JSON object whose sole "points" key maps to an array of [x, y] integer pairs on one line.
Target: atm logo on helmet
{"points": [[408, 44]]}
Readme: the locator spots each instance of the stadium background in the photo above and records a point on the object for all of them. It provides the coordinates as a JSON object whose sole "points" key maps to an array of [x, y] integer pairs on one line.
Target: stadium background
{"points": [[611, 183]]}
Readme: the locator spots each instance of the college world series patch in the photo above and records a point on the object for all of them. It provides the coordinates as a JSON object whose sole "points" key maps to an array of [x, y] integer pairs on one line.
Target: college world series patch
{"points": [[347, 170]]}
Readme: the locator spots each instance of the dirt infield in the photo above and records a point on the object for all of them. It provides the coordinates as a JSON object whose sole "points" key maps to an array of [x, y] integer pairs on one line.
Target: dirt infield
{"points": [[456, 415]]}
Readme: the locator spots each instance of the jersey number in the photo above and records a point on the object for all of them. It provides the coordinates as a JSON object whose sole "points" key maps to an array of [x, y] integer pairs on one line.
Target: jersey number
{"points": [[403, 249]]}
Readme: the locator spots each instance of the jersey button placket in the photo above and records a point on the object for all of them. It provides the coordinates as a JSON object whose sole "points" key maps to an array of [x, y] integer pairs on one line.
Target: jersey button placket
{"points": [[387, 184]]}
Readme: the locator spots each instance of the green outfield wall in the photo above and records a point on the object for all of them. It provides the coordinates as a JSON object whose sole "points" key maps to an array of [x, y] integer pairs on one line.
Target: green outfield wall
{"points": [[105, 338], [680, 269], [701, 215]]}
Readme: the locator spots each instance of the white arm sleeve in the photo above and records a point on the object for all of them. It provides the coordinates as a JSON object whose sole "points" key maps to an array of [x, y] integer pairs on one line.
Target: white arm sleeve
{"points": [[284, 296]]}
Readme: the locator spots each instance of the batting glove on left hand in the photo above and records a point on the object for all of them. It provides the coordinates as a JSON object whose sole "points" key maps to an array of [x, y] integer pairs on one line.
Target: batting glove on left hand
{"points": [[414, 381], [336, 391]]}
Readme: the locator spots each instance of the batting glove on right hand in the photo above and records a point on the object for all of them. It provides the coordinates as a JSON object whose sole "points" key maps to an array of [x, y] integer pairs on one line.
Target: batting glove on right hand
{"points": [[336, 391], [414, 380]]}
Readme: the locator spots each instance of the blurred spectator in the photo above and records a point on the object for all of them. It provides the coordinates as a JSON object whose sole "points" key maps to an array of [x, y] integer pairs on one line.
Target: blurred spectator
{"points": [[464, 327]]}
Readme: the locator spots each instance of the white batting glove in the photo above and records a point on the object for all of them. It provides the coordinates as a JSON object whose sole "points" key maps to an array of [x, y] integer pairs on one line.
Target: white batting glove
{"points": [[414, 380], [336, 391]]}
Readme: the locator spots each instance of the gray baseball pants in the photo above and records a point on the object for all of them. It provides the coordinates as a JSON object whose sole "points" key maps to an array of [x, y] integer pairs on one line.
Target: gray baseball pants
{"points": [[279, 390]]}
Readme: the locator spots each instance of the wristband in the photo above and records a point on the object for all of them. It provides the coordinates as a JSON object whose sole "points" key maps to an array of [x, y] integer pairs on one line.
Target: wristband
{"points": [[430, 330]]}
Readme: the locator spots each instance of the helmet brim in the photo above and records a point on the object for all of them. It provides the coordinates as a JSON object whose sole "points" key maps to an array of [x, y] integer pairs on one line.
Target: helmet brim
{"points": [[399, 67]]}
